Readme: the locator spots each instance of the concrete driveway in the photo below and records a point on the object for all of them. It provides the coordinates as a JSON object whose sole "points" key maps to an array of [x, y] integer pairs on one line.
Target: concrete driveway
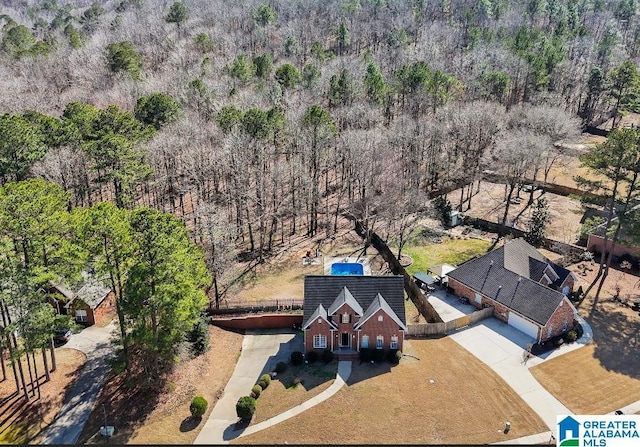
{"points": [[95, 343], [261, 350], [501, 347]]}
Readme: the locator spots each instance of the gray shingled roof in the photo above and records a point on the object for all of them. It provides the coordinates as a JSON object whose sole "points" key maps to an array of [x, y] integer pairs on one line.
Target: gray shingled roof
{"points": [[92, 292], [380, 303], [345, 297], [493, 275], [323, 289]]}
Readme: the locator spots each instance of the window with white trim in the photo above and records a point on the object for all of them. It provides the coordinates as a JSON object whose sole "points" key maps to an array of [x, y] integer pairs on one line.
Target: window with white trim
{"points": [[319, 341], [394, 342], [380, 318], [365, 342], [345, 317], [81, 316], [379, 342]]}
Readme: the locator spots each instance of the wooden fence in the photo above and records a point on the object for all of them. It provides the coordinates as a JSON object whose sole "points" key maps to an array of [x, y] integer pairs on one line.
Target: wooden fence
{"points": [[425, 330]]}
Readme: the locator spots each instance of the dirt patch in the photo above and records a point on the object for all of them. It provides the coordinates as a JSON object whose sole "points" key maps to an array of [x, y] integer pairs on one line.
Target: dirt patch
{"points": [[293, 387], [456, 398], [22, 422], [164, 418]]}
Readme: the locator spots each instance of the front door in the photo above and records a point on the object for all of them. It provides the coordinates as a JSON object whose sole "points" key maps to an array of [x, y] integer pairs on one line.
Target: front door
{"points": [[344, 340]]}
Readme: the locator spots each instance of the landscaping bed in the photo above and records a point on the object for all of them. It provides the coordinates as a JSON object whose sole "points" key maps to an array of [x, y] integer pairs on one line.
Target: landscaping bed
{"points": [[294, 386]]}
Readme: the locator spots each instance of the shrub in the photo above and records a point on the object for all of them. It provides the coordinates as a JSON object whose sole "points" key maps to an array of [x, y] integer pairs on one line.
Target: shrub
{"points": [[266, 378], [281, 367], [297, 381], [327, 356], [365, 355], [312, 356], [394, 356], [378, 355], [571, 336], [263, 384], [198, 406], [297, 358], [256, 391], [245, 407], [199, 337]]}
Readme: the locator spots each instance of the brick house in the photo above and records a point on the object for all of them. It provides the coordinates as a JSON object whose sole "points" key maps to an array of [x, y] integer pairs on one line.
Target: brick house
{"points": [[93, 303], [348, 313], [526, 290]]}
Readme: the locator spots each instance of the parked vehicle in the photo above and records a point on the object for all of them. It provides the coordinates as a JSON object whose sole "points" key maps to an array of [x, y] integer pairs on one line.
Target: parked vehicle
{"points": [[62, 335]]}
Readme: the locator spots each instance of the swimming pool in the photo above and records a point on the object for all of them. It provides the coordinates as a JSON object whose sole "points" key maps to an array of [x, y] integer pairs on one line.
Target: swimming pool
{"points": [[347, 268]]}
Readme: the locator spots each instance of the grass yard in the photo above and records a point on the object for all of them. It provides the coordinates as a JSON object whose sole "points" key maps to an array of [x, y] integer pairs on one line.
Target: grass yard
{"points": [[450, 251], [446, 397], [283, 393], [164, 418], [605, 375], [20, 423]]}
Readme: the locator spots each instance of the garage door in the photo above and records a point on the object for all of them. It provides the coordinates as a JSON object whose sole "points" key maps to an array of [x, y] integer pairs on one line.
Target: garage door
{"points": [[523, 325]]}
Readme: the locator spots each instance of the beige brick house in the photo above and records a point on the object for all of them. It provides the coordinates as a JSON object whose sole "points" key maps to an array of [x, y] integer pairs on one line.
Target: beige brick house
{"points": [[348, 313], [526, 290]]}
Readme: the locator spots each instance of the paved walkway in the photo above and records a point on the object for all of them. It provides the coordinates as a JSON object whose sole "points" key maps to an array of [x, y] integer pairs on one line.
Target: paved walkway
{"points": [[95, 343], [344, 371], [261, 350]]}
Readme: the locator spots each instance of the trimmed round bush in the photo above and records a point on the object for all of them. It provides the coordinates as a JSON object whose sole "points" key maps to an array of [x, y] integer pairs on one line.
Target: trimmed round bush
{"points": [[571, 336], [266, 378], [327, 356], [281, 367], [312, 356], [263, 384], [198, 406], [256, 391], [245, 407], [297, 358]]}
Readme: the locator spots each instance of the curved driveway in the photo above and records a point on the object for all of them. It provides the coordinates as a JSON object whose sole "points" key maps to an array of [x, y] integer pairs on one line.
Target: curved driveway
{"points": [[95, 343], [261, 350]]}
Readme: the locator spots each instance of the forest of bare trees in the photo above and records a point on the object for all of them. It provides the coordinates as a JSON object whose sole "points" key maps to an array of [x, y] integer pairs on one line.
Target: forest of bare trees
{"points": [[257, 122]]}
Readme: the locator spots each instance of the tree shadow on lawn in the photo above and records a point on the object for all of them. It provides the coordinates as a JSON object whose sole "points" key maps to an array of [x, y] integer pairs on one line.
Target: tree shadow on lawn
{"points": [[617, 340], [126, 407], [35, 415]]}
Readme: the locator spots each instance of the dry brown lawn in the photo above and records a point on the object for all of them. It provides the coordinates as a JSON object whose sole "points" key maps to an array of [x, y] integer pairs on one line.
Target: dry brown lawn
{"points": [[283, 394], [447, 396], [20, 422], [605, 375], [164, 418]]}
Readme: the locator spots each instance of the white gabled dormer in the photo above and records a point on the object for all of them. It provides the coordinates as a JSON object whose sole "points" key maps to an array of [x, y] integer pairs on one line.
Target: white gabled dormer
{"points": [[345, 297], [380, 303], [320, 316]]}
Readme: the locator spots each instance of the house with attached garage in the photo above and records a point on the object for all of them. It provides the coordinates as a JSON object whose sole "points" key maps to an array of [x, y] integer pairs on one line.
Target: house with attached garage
{"points": [[348, 313], [525, 289]]}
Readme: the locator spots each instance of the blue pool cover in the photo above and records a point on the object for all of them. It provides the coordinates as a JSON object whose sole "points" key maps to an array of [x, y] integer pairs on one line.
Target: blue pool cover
{"points": [[347, 268]]}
